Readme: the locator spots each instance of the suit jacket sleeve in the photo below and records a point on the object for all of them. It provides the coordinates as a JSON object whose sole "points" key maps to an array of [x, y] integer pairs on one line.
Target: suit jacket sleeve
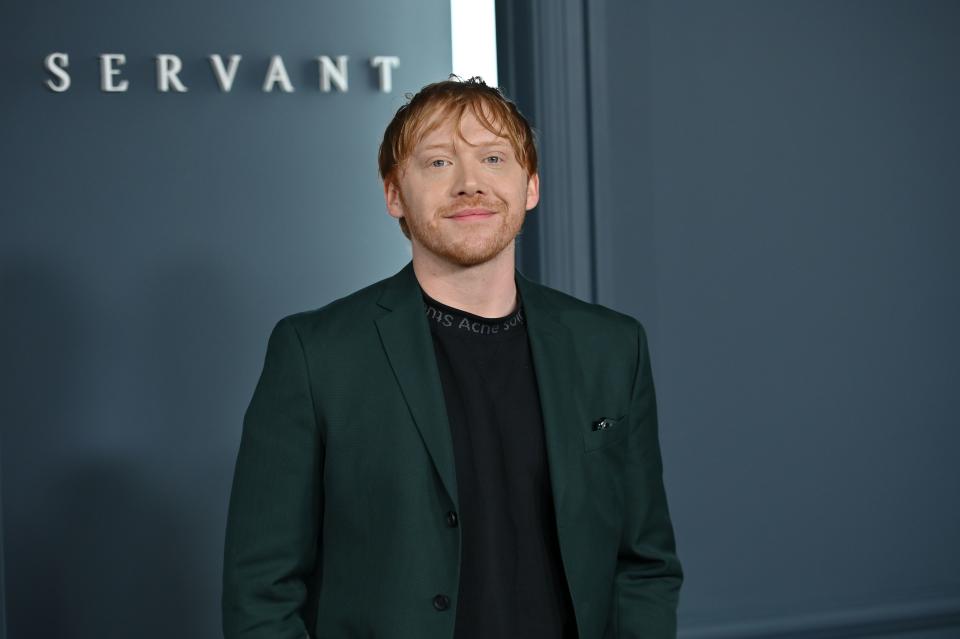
{"points": [[272, 526], [649, 573]]}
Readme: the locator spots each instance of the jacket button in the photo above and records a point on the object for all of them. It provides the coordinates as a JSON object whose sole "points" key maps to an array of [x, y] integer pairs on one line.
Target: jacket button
{"points": [[452, 519], [441, 602]]}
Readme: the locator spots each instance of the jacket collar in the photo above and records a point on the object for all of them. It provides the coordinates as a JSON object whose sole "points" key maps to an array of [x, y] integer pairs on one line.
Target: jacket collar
{"points": [[406, 338]]}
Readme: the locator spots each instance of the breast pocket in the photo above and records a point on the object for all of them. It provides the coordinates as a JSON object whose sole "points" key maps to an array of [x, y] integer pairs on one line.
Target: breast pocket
{"points": [[615, 430]]}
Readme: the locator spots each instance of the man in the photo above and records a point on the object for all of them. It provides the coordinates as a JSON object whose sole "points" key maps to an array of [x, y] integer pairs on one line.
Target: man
{"points": [[453, 452]]}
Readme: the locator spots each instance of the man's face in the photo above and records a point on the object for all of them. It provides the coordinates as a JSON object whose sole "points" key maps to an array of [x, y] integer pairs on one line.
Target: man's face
{"points": [[464, 202]]}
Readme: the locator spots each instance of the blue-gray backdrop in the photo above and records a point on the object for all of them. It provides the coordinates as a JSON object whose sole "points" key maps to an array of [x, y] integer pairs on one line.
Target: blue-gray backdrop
{"points": [[790, 237]]}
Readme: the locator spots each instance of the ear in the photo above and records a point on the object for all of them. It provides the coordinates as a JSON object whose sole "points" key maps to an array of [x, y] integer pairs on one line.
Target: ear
{"points": [[533, 190], [391, 195]]}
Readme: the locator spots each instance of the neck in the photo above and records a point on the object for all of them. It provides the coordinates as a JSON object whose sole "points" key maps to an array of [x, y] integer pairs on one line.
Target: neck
{"points": [[487, 289]]}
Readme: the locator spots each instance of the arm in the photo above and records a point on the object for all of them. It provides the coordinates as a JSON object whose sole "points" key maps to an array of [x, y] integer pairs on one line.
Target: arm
{"points": [[275, 504], [648, 574]]}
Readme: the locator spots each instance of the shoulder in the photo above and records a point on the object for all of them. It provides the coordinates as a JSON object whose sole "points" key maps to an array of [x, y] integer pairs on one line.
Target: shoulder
{"points": [[588, 319], [339, 317], [574, 309], [609, 345]]}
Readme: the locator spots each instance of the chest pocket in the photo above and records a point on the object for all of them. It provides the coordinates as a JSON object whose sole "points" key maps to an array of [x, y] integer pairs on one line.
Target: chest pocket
{"points": [[614, 431]]}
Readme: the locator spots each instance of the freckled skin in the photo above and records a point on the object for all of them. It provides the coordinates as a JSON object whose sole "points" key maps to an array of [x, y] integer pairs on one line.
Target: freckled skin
{"points": [[445, 174]]}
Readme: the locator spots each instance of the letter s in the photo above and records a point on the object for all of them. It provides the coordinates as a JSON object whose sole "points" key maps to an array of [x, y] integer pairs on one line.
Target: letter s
{"points": [[56, 63]]}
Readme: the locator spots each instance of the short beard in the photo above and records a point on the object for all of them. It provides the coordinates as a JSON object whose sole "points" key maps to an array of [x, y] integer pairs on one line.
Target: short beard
{"points": [[465, 252]]}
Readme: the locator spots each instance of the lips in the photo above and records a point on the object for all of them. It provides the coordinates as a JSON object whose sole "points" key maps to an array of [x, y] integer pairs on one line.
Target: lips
{"points": [[473, 213]]}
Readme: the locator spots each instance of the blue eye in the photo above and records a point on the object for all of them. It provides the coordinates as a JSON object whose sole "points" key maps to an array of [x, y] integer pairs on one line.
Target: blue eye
{"points": [[496, 159], [435, 163]]}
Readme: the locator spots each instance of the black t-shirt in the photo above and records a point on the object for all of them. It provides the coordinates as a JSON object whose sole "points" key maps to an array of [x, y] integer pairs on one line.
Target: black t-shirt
{"points": [[512, 583]]}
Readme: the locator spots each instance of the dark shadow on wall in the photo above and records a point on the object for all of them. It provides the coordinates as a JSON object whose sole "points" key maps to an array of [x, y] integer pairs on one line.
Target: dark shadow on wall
{"points": [[41, 336], [205, 337], [118, 442], [118, 559]]}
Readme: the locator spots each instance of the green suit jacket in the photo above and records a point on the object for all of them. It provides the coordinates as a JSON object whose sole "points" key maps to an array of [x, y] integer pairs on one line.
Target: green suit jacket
{"points": [[338, 524]]}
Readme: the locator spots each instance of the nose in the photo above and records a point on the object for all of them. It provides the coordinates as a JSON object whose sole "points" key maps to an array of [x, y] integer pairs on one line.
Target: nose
{"points": [[468, 180]]}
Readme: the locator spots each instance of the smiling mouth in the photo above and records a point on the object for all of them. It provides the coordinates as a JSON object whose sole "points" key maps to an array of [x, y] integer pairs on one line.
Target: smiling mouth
{"points": [[473, 214]]}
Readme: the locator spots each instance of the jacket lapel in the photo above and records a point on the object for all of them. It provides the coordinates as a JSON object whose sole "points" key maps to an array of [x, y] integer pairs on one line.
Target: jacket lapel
{"points": [[559, 381], [406, 338]]}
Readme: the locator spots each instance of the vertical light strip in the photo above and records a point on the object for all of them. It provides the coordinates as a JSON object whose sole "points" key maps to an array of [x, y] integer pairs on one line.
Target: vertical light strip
{"points": [[474, 33]]}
